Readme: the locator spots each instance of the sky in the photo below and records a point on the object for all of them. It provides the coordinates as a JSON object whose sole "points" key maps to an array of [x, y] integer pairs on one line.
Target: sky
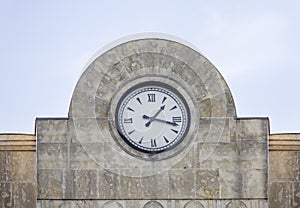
{"points": [[45, 45]]}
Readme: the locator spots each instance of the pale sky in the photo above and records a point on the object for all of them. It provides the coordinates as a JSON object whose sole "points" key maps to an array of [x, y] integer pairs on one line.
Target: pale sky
{"points": [[44, 46]]}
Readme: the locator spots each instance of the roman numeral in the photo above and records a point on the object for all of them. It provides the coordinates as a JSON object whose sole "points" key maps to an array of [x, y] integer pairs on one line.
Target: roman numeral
{"points": [[176, 119], [128, 120], [151, 97], [153, 143], [173, 108]]}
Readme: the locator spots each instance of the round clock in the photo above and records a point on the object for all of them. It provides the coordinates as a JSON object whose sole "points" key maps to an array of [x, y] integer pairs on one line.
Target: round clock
{"points": [[152, 117]]}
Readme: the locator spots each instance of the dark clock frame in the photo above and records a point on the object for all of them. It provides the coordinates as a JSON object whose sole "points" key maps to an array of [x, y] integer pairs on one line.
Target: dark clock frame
{"points": [[156, 84]]}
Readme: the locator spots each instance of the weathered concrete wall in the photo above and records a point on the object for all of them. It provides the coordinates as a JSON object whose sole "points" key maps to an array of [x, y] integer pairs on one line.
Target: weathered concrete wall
{"points": [[17, 171], [233, 168], [284, 170], [221, 161]]}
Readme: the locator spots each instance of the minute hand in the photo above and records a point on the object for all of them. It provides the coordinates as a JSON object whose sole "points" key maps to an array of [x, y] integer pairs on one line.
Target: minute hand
{"points": [[167, 122], [153, 117]]}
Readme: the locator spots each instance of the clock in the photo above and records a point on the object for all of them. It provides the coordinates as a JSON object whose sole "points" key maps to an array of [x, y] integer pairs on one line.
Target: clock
{"points": [[152, 117]]}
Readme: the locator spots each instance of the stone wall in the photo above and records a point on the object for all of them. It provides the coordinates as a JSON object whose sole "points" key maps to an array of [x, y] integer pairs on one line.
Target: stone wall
{"points": [[284, 170], [83, 160], [17, 171], [234, 171]]}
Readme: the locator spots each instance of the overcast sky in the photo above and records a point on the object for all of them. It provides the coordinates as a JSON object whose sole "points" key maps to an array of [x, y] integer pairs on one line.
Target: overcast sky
{"points": [[44, 46]]}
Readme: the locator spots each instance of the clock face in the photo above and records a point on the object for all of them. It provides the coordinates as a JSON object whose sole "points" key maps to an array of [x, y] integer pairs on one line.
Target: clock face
{"points": [[152, 117]]}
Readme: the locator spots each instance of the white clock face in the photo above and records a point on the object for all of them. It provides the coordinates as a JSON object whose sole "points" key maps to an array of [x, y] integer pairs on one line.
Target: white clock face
{"points": [[152, 117]]}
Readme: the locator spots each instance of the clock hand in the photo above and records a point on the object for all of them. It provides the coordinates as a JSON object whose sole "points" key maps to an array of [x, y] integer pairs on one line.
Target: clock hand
{"points": [[167, 122], [149, 122], [153, 117], [146, 117], [156, 114], [156, 119]]}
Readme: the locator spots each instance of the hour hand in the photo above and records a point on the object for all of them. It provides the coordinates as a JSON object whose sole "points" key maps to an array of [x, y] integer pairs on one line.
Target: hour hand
{"points": [[146, 117], [150, 120]]}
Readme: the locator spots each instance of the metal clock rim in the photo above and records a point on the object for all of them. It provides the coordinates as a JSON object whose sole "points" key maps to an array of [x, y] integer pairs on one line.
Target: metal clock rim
{"points": [[178, 99]]}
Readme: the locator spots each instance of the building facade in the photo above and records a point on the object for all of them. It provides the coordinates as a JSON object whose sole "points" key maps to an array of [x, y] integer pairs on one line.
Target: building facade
{"points": [[152, 123]]}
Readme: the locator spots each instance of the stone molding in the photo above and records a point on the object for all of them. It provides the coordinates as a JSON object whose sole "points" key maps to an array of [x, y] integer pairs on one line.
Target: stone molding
{"points": [[257, 203], [284, 142], [17, 142]]}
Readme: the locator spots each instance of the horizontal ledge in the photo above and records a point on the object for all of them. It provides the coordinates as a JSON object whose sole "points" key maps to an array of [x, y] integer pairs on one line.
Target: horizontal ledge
{"points": [[157, 199], [285, 137], [284, 148], [284, 143], [52, 118], [17, 137], [17, 148], [17, 143]]}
